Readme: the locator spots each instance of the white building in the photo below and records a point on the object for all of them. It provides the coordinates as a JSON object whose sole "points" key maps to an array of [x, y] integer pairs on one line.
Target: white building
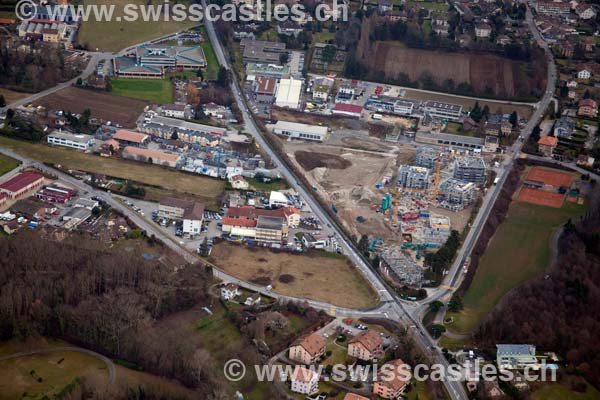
{"points": [[435, 109], [515, 356], [305, 381], [296, 130], [584, 74], [288, 93], [229, 291], [74, 141], [239, 182], [278, 199], [174, 110]]}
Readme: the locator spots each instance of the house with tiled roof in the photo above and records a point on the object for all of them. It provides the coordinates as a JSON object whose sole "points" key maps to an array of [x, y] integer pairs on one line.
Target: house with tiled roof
{"points": [[305, 381], [547, 144], [366, 346], [393, 380], [307, 350], [587, 108]]}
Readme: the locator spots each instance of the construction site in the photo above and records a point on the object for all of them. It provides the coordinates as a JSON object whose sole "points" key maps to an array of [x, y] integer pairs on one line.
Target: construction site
{"points": [[427, 192], [407, 200]]}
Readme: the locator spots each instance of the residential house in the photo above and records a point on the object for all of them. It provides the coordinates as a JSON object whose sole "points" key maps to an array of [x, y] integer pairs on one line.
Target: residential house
{"points": [[585, 161], [584, 73], [547, 144], [571, 83], [498, 125], [585, 11], [230, 291], [289, 28], [564, 127], [366, 346], [305, 381], [174, 110], [587, 108], [354, 396], [483, 31], [515, 356], [392, 380], [239, 182], [253, 300], [307, 350]]}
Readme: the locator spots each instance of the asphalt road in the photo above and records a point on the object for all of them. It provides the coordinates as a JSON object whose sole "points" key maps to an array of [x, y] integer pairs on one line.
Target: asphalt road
{"points": [[455, 276], [391, 306], [91, 67]]}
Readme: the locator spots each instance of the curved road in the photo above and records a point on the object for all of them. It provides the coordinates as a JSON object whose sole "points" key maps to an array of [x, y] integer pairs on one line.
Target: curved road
{"points": [[112, 372]]}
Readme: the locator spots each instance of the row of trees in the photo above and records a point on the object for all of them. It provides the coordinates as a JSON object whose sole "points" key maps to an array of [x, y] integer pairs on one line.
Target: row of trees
{"points": [[33, 69]]}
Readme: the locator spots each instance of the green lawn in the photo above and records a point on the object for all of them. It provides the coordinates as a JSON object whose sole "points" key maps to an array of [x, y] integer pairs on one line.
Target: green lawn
{"points": [[154, 90], [118, 35], [559, 392], [7, 164], [46, 375], [519, 250], [212, 65]]}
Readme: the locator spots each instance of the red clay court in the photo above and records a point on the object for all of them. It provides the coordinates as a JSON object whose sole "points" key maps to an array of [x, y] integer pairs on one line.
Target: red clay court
{"points": [[541, 197], [550, 177]]}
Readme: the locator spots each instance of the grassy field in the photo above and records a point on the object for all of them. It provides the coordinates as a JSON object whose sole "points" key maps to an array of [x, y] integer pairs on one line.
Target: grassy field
{"points": [[10, 96], [7, 164], [206, 189], [318, 276], [559, 392], [46, 375], [524, 235], [117, 35], [154, 90], [212, 65], [56, 376]]}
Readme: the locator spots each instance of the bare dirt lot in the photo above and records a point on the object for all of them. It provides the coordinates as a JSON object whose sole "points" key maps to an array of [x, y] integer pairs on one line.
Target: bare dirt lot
{"points": [[319, 276], [119, 110], [310, 160], [352, 190]]}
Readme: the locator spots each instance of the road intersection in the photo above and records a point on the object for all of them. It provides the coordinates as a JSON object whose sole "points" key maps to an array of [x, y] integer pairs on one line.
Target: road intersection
{"points": [[391, 306]]}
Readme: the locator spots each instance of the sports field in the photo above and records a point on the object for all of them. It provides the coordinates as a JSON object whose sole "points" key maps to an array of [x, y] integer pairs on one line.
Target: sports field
{"points": [[152, 90], [541, 197], [117, 35], [550, 177], [520, 250]]}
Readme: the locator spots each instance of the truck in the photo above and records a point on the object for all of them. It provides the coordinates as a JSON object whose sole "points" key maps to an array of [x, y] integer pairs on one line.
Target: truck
{"points": [[496, 180]]}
